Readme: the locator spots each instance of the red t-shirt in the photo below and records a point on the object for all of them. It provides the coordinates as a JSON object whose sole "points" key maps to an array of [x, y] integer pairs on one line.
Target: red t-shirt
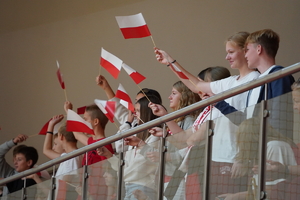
{"points": [[93, 157]]}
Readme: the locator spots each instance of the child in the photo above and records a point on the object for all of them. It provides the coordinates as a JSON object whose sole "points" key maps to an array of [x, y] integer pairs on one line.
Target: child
{"points": [[25, 158]]}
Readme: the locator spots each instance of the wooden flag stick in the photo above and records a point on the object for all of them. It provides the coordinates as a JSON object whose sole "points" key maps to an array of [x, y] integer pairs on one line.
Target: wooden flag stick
{"points": [[100, 70], [143, 93], [65, 91], [116, 125], [71, 184], [140, 120], [32, 135], [153, 41]]}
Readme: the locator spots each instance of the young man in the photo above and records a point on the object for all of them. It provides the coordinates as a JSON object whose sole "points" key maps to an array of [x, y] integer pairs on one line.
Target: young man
{"points": [[261, 49], [24, 158]]}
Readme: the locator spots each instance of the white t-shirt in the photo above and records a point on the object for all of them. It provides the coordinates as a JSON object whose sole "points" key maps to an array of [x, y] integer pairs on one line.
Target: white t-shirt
{"points": [[69, 165], [254, 95], [224, 142], [281, 152]]}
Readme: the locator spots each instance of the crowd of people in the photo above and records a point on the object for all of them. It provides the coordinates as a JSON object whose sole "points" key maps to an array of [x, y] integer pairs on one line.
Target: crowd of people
{"points": [[235, 145]]}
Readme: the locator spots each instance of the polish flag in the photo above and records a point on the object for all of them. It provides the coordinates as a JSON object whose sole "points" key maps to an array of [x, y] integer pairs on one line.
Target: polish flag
{"points": [[133, 26], [81, 110], [127, 105], [59, 76], [77, 124], [136, 77], [107, 107], [179, 72], [122, 94], [111, 63], [44, 129]]}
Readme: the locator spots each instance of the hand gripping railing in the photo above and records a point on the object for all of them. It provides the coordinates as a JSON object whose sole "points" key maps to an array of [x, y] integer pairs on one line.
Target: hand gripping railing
{"points": [[184, 111]]}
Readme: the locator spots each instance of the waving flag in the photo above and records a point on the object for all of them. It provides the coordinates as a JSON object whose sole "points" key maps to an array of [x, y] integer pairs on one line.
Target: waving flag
{"points": [[59, 76], [179, 72], [77, 124], [133, 26], [44, 129], [81, 110], [125, 99], [111, 63], [107, 107], [136, 77]]}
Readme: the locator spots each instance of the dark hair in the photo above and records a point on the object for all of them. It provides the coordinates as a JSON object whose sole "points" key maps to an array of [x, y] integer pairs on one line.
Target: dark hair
{"points": [[146, 114], [214, 73], [30, 153], [150, 92], [96, 113]]}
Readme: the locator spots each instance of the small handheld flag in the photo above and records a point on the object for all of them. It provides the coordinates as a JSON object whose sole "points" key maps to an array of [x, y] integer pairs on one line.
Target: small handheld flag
{"points": [[111, 63]]}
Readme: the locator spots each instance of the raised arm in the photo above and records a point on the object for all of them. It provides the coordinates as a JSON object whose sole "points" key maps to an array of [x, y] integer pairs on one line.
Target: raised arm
{"points": [[193, 83], [102, 82], [47, 148]]}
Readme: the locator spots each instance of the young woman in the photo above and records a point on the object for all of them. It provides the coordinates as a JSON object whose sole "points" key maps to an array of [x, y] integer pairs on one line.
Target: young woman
{"points": [[139, 171]]}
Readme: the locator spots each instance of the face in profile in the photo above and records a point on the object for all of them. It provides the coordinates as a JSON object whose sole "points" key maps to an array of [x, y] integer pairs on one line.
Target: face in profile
{"points": [[235, 55], [57, 146], [174, 98]]}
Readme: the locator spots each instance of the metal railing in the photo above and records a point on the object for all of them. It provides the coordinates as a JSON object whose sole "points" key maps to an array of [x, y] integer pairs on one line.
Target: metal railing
{"points": [[224, 95]]}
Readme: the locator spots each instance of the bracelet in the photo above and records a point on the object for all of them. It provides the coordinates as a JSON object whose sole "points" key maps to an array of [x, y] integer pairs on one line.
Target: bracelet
{"points": [[171, 62], [129, 123], [50, 132]]}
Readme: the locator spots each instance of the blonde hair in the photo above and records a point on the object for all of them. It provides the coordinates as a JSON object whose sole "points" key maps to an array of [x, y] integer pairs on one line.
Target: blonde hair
{"points": [[296, 85], [239, 38], [267, 38]]}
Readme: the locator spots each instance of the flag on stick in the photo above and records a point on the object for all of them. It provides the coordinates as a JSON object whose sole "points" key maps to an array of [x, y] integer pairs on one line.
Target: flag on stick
{"points": [[125, 99], [133, 26], [77, 124], [59, 76], [107, 107], [111, 63], [136, 77], [44, 129], [178, 72]]}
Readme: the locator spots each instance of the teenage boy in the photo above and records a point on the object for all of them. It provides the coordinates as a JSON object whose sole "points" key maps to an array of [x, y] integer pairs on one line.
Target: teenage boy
{"points": [[24, 158]]}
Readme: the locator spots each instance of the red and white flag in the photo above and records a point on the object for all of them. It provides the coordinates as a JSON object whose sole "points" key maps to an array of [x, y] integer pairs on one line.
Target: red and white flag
{"points": [[133, 26], [111, 63], [81, 110], [107, 107], [59, 76], [136, 77], [179, 72], [77, 124], [44, 129], [122, 94]]}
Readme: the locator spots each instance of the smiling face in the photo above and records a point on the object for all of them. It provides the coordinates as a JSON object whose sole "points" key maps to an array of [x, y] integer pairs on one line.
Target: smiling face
{"points": [[174, 99], [20, 162], [235, 55], [296, 99]]}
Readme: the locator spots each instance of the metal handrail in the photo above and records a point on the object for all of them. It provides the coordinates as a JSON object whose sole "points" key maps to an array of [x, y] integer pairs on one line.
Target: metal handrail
{"points": [[184, 111]]}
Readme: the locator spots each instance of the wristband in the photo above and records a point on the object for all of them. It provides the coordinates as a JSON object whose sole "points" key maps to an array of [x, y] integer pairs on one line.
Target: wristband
{"points": [[171, 62], [129, 123], [50, 132]]}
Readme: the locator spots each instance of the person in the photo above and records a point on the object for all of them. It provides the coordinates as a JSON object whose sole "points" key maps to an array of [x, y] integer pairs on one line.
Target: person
{"points": [[98, 120], [124, 117], [261, 49], [139, 171], [194, 135], [279, 149], [24, 158]]}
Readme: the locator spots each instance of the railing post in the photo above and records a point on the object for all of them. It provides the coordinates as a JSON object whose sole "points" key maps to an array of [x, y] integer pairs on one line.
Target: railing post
{"points": [[207, 163], [24, 195], [85, 176], [53, 184], [161, 172], [262, 149], [120, 174]]}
